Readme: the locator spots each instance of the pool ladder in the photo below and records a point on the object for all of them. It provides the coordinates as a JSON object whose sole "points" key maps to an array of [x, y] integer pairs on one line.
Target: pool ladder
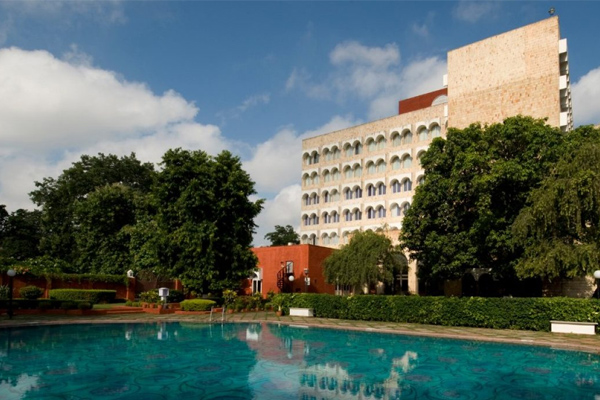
{"points": [[212, 310]]}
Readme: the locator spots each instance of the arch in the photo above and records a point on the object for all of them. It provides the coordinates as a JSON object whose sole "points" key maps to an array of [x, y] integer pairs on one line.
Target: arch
{"points": [[305, 220], [326, 196], [306, 159], [381, 165], [380, 212], [357, 145], [325, 238], [435, 130], [306, 199], [381, 188], [371, 168], [395, 162], [347, 215], [395, 185], [357, 169], [314, 157], [407, 136], [327, 154], [441, 99], [335, 195], [396, 138], [348, 150], [314, 219], [314, 198], [423, 133], [406, 161], [371, 213], [334, 238], [312, 239], [325, 217], [337, 153], [381, 142], [371, 190], [406, 185], [348, 193], [335, 174], [304, 239], [395, 210], [306, 180], [405, 207], [357, 214], [420, 180], [326, 176], [357, 192], [371, 144], [334, 216], [348, 172]]}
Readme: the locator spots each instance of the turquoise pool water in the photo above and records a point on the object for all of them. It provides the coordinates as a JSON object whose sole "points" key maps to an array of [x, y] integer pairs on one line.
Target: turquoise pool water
{"points": [[266, 361]]}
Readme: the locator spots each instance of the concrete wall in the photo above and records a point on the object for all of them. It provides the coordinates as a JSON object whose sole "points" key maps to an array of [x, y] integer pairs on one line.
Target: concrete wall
{"points": [[513, 73]]}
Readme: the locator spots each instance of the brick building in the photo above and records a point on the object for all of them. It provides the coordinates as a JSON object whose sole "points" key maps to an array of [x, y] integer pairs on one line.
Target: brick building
{"points": [[364, 177]]}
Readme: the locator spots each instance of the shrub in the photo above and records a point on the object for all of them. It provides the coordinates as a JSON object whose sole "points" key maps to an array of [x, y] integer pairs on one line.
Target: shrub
{"points": [[68, 305], [31, 292], [175, 296], [229, 297], [92, 296], [4, 291], [197, 305], [496, 313], [85, 305], [151, 296]]}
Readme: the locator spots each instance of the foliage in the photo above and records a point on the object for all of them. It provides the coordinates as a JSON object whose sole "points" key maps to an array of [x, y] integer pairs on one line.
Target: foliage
{"points": [[130, 303], [150, 296], [85, 305], [175, 296], [68, 305], [31, 292], [560, 229], [496, 313], [283, 235], [93, 296], [57, 197], [4, 291], [476, 182], [368, 259], [20, 233], [197, 305], [229, 297], [206, 219]]}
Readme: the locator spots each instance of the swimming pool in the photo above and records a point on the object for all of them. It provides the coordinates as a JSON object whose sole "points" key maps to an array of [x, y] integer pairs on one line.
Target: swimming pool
{"points": [[267, 361]]}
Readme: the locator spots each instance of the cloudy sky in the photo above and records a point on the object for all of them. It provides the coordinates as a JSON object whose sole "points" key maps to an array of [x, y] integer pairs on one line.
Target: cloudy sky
{"points": [[82, 77]]}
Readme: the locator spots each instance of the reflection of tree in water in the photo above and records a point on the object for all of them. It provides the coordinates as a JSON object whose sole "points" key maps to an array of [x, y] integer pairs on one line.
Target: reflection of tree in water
{"points": [[333, 370]]}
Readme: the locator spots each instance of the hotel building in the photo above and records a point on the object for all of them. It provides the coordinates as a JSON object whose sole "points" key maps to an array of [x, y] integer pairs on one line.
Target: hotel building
{"points": [[364, 177]]}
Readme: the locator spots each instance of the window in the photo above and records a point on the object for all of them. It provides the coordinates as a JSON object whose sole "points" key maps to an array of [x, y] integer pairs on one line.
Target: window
{"points": [[357, 148], [336, 216], [395, 210], [357, 193], [347, 216], [314, 220], [371, 191], [348, 194], [307, 159], [396, 163], [357, 215], [423, 134], [371, 168], [421, 180], [328, 155], [407, 137], [381, 189], [381, 144], [407, 185], [348, 172], [325, 218], [395, 187], [306, 200], [406, 161], [326, 176], [315, 179], [307, 180], [396, 139], [371, 145], [357, 171], [381, 212], [336, 153], [289, 267], [436, 131], [326, 197], [370, 213], [349, 151], [315, 158], [336, 175], [335, 195], [381, 166], [405, 208], [325, 239], [305, 220]]}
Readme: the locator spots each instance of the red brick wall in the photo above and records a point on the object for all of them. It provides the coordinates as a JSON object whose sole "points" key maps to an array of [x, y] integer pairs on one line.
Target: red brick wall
{"points": [[419, 102], [303, 256]]}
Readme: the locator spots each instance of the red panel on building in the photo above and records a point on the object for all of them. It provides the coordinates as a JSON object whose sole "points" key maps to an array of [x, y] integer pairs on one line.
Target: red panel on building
{"points": [[420, 102], [279, 263]]}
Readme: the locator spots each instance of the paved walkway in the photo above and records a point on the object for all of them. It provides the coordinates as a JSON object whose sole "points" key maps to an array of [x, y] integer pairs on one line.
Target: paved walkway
{"points": [[588, 343]]}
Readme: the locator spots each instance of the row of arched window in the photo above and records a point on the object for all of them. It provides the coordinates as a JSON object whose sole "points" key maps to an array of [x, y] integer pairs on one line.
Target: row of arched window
{"points": [[356, 170], [348, 215], [356, 192], [372, 144]]}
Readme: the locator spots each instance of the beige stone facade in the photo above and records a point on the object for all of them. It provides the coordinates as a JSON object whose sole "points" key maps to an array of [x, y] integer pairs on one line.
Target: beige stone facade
{"points": [[364, 177]]}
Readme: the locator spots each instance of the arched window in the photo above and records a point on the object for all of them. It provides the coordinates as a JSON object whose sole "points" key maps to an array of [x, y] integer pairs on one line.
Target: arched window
{"points": [[306, 200], [419, 157], [406, 161], [347, 172], [325, 218], [436, 131], [405, 208], [336, 153], [326, 176], [396, 139], [371, 190], [334, 238], [421, 180], [371, 145], [314, 157], [381, 189], [423, 134], [314, 219], [325, 239], [328, 155], [371, 167], [335, 195], [370, 213], [326, 197], [395, 186], [407, 185], [357, 171], [381, 143], [357, 214], [307, 180], [306, 158], [347, 216], [395, 210], [314, 199], [396, 163], [335, 216], [305, 220], [348, 194], [348, 150], [406, 137], [381, 166], [357, 193], [336, 174], [357, 148], [381, 212]]}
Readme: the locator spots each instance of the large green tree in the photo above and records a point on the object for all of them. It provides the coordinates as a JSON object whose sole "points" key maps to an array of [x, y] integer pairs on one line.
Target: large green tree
{"points": [[57, 197], [206, 218], [369, 258], [560, 229], [477, 180], [283, 235]]}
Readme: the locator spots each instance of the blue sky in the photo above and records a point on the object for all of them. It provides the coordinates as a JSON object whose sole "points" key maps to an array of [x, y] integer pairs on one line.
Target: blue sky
{"points": [[79, 77]]}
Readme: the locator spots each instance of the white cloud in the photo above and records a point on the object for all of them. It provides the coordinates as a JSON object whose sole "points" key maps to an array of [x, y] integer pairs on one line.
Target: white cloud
{"points": [[255, 100], [586, 97], [283, 209], [473, 11], [352, 52]]}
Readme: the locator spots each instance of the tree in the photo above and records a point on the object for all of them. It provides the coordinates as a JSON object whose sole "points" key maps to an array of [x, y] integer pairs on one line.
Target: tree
{"points": [[560, 229], [206, 219], [20, 233], [57, 197], [368, 259], [477, 181], [283, 235]]}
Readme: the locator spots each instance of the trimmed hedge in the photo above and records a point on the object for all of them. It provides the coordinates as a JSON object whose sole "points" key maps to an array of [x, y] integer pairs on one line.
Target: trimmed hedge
{"points": [[496, 313], [31, 292], [197, 305], [92, 296]]}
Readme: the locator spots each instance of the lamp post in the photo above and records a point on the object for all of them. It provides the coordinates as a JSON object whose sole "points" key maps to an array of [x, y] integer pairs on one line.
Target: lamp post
{"points": [[597, 276], [11, 274]]}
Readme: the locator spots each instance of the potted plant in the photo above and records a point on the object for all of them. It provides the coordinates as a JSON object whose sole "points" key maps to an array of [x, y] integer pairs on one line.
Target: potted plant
{"points": [[277, 303], [229, 297]]}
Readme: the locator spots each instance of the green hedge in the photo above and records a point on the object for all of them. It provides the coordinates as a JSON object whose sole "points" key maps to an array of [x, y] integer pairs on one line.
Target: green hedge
{"points": [[497, 313], [92, 296], [197, 305]]}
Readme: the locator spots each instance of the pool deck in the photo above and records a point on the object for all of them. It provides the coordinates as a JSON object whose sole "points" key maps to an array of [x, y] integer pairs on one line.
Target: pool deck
{"points": [[587, 343]]}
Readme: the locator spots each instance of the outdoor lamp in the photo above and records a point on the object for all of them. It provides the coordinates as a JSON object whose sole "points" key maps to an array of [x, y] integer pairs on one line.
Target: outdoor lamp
{"points": [[597, 276], [291, 278], [11, 274]]}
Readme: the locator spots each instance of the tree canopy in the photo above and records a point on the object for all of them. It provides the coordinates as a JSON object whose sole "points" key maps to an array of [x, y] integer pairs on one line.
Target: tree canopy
{"points": [[283, 235], [20, 233], [369, 258], [560, 228], [477, 180]]}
